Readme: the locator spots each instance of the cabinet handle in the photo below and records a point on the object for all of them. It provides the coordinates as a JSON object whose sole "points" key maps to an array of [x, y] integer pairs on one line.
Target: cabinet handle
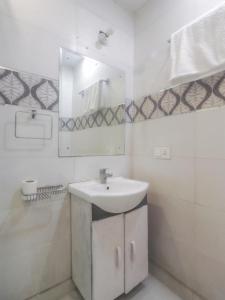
{"points": [[132, 250], [118, 256]]}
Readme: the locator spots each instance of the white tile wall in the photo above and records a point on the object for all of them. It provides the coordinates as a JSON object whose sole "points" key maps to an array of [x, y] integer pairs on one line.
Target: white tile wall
{"points": [[187, 192], [35, 239], [186, 218]]}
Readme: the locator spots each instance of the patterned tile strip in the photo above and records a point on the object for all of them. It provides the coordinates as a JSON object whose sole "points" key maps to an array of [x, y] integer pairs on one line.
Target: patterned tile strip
{"points": [[30, 90], [189, 97], [105, 117]]}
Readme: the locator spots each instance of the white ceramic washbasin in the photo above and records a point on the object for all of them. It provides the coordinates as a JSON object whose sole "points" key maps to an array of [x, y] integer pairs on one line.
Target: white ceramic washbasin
{"points": [[117, 196]]}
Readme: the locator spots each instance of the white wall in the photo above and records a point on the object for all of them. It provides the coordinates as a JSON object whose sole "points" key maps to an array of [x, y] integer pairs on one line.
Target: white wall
{"points": [[187, 212], [35, 239], [154, 24]]}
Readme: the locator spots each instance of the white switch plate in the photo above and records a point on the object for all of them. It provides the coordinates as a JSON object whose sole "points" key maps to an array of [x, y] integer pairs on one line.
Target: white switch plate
{"points": [[162, 153], [157, 152], [165, 153]]}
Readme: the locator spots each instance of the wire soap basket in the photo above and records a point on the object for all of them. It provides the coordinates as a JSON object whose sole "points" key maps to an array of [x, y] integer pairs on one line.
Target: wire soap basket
{"points": [[45, 192]]}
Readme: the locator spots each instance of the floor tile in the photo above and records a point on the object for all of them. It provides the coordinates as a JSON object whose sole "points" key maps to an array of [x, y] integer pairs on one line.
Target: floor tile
{"points": [[150, 289]]}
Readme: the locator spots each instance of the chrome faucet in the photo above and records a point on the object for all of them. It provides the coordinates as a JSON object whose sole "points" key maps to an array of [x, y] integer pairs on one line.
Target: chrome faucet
{"points": [[103, 175]]}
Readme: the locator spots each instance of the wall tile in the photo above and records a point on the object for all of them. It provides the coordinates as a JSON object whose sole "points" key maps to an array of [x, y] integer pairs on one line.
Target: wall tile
{"points": [[166, 177], [52, 273], [5, 86], [201, 94], [209, 277], [117, 164], [210, 136], [172, 218], [177, 132], [19, 275], [23, 27], [103, 117], [210, 178], [28, 90], [35, 224], [32, 90], [148, 108], [20, 88], [219, 88], [175, 256], [209, 229]]}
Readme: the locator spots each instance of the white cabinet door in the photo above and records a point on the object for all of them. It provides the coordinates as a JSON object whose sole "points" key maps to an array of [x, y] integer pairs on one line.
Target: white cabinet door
{"points": [[108, 258], [136, 247]]}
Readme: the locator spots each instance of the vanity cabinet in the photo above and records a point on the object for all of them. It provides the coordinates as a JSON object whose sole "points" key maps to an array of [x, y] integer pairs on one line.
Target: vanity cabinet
{"points": [[108, 258], [136, 247], [109, 251]]}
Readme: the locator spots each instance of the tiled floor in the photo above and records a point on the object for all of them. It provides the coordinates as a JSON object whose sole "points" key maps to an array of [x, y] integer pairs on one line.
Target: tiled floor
{"points": [[151, 289]]}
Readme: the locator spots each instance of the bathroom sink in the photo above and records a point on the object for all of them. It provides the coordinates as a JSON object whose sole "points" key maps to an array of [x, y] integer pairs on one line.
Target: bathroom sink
{"points": [[117, 196]]}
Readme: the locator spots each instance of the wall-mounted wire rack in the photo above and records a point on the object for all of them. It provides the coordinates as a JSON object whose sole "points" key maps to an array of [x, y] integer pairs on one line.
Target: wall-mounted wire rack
{"points": [[45, 192]]}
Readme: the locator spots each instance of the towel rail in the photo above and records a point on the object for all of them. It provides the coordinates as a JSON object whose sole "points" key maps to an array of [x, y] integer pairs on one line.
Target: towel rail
{"points": [[106, 81]]}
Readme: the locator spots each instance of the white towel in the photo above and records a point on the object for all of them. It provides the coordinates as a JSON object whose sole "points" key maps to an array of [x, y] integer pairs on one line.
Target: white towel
{"points": [[92, 98], [198, 49]]}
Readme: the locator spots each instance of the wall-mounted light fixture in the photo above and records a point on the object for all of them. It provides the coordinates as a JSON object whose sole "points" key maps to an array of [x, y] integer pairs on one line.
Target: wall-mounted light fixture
{"points": [[103, 38]]}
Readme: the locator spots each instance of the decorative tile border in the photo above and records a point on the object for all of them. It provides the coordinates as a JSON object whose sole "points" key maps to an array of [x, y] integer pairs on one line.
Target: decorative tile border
{"points": [[200, 94], [105, 117], [30, 90]]}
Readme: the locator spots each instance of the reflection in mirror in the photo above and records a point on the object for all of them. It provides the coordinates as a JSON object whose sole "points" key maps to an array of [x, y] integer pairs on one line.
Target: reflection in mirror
{"points": [[91, 107]]}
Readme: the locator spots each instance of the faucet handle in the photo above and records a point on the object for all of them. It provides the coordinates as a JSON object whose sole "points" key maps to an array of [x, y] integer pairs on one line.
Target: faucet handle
{"points": [[109, 174], [102, 171]]}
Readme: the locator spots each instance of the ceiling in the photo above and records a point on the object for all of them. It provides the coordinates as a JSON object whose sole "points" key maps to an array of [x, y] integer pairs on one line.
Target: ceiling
{"points": [[131, 5]]}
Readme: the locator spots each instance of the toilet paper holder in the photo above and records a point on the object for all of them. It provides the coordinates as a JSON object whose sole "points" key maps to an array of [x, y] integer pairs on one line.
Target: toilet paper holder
{"points": [[45, 192]]}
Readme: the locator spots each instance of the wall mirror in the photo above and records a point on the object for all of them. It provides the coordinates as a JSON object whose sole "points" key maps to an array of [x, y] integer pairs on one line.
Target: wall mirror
{"points": [[91, 107]]}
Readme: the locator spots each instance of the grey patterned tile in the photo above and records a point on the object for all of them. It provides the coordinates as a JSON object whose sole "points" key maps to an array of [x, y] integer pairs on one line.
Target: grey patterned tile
{"points": [[5, 86], [109, 116], [163, 103], [20, 89], [70, 124], [78, 124], [120, 114], [174, 101], [90, 121], [158, 97], [83, 122], [62, 124], [132, 111], [66, 124], [148, 107], [39, 92], [53, 95], [99, 118], [203, 94], [195, 95], [219, 89], [30, 90], [187, 97], [210, 101]]}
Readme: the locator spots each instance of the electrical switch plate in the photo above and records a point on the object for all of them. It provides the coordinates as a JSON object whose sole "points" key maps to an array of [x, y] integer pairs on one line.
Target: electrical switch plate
{"points": [[162, 153]]}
